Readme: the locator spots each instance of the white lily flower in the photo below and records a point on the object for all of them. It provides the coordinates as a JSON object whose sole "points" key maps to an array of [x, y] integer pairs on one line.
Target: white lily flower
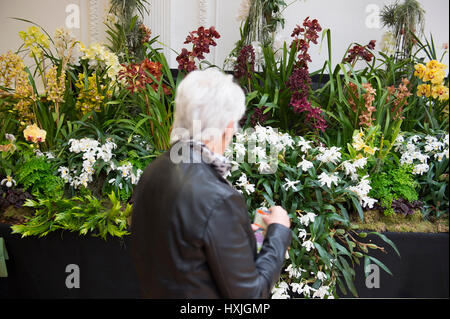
{"points": [[294, 272], [321, 292], [304, 145], [280, 291], [290, 184], [329, 155], [240, 149], [308, 245], [328, 179], [321, 276], [420, 169], [305, 164], [307, 218], [360, 162], [350, 169], [306, 290], [302, 233]]}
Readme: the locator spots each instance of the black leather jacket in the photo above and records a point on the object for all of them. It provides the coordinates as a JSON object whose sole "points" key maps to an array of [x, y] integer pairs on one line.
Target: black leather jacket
{"points": [[191, 236]]}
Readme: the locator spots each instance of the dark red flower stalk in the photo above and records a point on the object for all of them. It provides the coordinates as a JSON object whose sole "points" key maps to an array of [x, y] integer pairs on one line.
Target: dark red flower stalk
{"points": [[299, 82], [137, 76], [258, 116], [314, 115], [359, 51], [245, 63], [201, 40]]}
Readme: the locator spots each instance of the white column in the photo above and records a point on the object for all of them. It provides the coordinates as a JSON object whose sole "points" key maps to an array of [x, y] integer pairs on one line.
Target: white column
{"points": [[158, 20], [94, 21]]}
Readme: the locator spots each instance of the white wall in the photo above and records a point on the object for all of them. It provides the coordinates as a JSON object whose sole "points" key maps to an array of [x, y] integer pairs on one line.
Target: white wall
{"points": [[345, 18], [51, 14]]}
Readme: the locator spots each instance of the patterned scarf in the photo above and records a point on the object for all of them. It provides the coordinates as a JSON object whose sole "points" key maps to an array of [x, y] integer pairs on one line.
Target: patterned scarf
{"points": [[218, 162]]}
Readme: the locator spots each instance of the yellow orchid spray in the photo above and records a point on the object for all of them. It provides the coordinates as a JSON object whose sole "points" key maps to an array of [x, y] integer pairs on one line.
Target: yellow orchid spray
{"points": [[434, 73]]}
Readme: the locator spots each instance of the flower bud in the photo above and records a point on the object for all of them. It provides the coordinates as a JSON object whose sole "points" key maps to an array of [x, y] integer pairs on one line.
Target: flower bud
{"points": [[362, 235]]}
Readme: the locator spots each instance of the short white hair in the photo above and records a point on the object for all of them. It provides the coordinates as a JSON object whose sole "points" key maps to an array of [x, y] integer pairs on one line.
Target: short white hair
{"points": [[206, 102]]}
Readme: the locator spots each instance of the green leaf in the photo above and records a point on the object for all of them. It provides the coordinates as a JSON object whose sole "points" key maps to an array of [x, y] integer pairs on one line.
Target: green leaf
{"points": [[379, 263], [387, 240]]}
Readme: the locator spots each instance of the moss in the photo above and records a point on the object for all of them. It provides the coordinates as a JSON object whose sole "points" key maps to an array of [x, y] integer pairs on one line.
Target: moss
{"points": [[15, 216], [376, 221]]}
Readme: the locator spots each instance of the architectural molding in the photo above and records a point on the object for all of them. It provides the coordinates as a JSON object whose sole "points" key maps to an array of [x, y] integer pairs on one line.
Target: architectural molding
{"points": [[94, 21], [158, 20], [203, 13]]}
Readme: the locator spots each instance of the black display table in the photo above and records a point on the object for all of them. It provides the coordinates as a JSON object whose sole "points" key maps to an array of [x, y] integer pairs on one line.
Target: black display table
{"points": [[420, 272], [37, 267]]}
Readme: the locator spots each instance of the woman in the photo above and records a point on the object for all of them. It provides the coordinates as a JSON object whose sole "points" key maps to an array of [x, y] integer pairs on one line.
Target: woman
{"points": [[191, 233]]}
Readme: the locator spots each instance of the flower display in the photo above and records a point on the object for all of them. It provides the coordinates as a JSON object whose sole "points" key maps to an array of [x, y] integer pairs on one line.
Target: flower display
{"points": [[55, 85], [434, 73], [327, 149], [201, 40], [90, 98], [11, 67], [13, 76], [33, 133], [94, 154], [245, 63], [138, 76], [35, 41], [420, 151], [300, 170], [299, 81], [359, 51], [98, 55], [399, 96]]}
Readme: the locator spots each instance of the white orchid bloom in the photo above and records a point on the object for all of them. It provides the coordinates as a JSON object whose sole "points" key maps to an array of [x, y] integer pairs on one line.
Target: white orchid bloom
{"points": [[290, 184], [8, 182]]}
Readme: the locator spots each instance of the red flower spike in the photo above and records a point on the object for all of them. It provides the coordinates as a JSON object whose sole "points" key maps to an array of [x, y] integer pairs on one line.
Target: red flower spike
{"points": [[201, 39]]}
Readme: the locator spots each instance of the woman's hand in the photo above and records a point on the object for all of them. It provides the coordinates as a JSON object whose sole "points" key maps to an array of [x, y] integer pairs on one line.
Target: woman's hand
{"points": [[278, 215]]}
